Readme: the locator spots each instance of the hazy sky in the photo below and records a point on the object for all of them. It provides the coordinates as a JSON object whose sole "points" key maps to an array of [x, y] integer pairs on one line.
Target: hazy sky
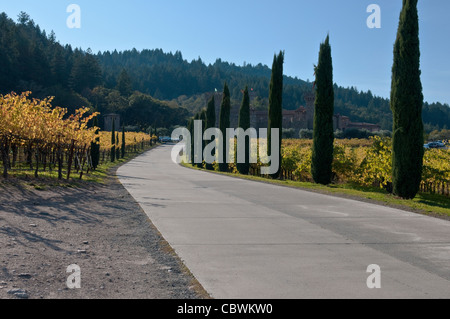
{"points": [[254, 30]]}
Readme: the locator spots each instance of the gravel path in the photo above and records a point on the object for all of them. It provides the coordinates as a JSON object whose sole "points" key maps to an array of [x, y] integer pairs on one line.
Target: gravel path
{"points": [[101, 229]]}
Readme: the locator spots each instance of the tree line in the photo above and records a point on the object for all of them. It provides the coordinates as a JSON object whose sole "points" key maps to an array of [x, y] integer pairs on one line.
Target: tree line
{"points": [[168, 76], [32, 60], [120, 82], [207, 118], [406, 105]]}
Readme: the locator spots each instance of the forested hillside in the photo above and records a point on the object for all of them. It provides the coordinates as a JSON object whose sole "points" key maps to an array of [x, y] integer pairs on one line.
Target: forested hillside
{"points": [[168, 76], [32, 60], [153, 87]]}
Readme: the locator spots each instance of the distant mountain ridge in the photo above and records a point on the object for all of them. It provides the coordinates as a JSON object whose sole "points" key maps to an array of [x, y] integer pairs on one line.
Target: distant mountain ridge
{"points": [[151, 87], [167, 76]]}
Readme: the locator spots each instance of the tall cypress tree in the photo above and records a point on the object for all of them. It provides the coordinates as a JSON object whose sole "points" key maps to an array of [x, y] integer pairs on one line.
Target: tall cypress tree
{"points": [[276, 105], [113, 142], [244, 123], [224, 123], [202, 117], [210, 122], [322, 153], [190, 128], [150, 132], [123, 143], [117, 147], [95, 147], [196, 158], [406, 105]]}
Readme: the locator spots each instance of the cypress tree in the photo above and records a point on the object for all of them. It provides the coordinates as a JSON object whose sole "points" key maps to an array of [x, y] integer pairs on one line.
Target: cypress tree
{"points": [[322, 153], [210, 122], [113, 142], [276, 105], [202, 117], [224, 123], [190, 128], [196, 118], [244, 123], [95, 147], [406, 105], [123, 143], [150, 132], [117, 147]]}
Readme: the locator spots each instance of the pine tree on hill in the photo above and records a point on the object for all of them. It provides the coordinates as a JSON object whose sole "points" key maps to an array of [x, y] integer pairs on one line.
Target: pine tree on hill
{"points": [[124, 84]]}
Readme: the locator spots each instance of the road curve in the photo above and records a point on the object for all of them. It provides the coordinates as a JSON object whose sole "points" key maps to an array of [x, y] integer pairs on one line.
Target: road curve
{"points": [[244, 239]]}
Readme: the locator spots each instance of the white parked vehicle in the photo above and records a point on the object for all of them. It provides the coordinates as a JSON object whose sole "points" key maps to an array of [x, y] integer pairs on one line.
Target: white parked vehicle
{"points": [[437, 144]]}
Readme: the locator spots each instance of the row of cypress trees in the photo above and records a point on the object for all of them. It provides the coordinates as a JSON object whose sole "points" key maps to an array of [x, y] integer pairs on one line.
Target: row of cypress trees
{"points": [[406, 105], [117, 152], [208, 118]]}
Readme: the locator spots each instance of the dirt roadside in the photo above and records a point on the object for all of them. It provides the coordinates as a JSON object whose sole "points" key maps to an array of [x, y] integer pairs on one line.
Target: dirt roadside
{"points": [[101, 229]]}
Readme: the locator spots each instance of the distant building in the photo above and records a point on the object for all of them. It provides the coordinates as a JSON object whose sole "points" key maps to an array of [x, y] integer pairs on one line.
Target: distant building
{"points": [[302, 118], [343, 123], [108, 120]]}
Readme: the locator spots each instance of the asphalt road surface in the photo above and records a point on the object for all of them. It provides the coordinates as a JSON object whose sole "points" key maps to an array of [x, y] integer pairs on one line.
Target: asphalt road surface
{"points": [[244, 239]]}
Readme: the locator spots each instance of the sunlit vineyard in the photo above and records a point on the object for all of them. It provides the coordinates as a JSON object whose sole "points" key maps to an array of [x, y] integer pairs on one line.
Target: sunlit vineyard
{"points": [[44, 133], [36, 136], [132, 139], [365, 162]]}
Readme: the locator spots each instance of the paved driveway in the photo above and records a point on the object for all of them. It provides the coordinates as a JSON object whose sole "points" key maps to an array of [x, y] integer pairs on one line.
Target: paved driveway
{"points": [[244, 239]]}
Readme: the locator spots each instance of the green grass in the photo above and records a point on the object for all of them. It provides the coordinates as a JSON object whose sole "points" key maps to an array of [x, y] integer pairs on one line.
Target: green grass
{"points": [[428, 204]]}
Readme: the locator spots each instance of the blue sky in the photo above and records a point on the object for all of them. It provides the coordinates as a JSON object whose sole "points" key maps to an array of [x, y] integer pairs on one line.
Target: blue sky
{"points": [[252, 31]]}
